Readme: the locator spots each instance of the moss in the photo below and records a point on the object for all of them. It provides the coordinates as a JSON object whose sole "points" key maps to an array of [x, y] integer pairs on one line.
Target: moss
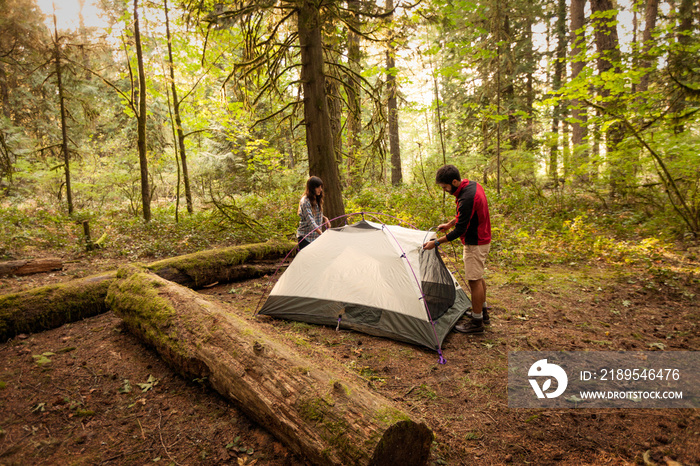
{"points": [[332, 427], [202, 267], [136, 299], [51, 306], [390, 416], [313, 409]]}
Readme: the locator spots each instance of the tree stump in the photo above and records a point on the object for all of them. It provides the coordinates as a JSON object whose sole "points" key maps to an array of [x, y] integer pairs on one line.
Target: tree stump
{"points": [[313, 405]]}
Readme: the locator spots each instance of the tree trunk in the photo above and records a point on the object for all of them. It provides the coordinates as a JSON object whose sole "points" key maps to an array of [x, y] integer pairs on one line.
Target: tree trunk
{"points": [[560, 55], [30, 266], [392, 104], [579, 130], [606, 39], [311, 404], [64, 122], [141, 120], [178, 119], [353, 90], [679, 60], [336, 117], [651, 12], [225, 265], [319, 139], [51, 306]]}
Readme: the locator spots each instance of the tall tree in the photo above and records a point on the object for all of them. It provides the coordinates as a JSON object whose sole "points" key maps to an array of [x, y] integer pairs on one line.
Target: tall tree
{"points": [[178, 118], [319, 139], [604, 18], [559, 67], [353, 89], [64, 122], [579, 115], [141, 116], [651, 12], [392, 101]]}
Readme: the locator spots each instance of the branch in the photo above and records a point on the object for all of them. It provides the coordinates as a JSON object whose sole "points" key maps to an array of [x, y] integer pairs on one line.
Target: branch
{"points": [[269, 117], [667, 179]]}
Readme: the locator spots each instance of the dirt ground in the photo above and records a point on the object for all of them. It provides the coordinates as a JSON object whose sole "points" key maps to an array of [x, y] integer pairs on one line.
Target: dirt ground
{"points": [[91, 393]]}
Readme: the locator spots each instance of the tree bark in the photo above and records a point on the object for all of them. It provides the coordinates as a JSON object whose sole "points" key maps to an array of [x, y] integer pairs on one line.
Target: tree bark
{"points": [[651, 12], [141, 120], [606, 39], [225, 265], [311, 404], [579, 130], [51, 306], [178, 118], [353, 90], [392, 104], [30, 266], [558, 111], [319, 138], [64, 120]]}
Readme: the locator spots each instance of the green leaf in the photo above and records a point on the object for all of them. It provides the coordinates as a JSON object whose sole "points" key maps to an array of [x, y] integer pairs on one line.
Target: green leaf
{"points": [[126, 388], [149, 384]]}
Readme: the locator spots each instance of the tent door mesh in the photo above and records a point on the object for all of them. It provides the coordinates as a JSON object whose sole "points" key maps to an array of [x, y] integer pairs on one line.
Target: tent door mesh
{"points": [[437, 283]]}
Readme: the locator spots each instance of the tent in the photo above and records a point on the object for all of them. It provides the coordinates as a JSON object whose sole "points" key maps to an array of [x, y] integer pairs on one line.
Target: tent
{"points": [[373, 278]]}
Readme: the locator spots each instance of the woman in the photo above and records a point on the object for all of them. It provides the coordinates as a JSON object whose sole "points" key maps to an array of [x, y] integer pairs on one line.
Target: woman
{"points": [[310, 212]]}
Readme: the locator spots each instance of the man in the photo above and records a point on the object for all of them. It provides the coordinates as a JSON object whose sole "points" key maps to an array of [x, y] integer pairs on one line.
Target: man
{"points": [[472, 225]]}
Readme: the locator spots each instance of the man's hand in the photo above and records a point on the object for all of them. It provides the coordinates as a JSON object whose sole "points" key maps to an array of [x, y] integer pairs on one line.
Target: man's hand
{"points": [[443, 227], [429, 245]]}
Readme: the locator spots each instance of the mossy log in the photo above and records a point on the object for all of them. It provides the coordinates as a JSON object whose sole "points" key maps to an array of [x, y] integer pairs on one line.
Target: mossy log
{"points": [[225, 265], [51, 306], [313, 405], [30, 266]]}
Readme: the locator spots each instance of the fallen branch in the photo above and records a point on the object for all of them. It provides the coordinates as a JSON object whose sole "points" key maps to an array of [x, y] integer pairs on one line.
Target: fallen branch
{"points": [[30, 266]]}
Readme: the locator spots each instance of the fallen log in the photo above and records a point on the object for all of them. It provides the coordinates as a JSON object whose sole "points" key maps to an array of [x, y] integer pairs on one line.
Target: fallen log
{"points": [[225, 265], [315, 406], [30, 266], [51, 306]]}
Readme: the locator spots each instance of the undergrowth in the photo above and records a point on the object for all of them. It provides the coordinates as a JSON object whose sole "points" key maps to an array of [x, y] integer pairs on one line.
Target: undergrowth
{"points": [[528, 227]]}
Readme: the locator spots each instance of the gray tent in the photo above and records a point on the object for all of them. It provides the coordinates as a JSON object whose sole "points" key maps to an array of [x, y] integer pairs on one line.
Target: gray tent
{"points": [[373, 278]]}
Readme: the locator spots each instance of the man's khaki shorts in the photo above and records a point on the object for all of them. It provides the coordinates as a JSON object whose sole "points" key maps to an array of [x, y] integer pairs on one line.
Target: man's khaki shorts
{"points": [[474, 257]]}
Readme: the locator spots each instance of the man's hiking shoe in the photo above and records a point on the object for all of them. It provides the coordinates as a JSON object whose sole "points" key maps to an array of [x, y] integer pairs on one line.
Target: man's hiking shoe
{"points": [[472, 327], [485, 314]]}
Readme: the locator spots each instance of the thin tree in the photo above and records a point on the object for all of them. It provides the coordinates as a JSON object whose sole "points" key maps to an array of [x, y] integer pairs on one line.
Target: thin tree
{"points": [[178, 118], [141, 119], [392, 102], [579, 116], [557, 112], [353, 89], [64, 123]]}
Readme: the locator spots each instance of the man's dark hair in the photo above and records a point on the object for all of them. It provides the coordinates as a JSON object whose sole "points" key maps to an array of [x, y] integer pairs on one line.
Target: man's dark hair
{"points": [[446, 174]]}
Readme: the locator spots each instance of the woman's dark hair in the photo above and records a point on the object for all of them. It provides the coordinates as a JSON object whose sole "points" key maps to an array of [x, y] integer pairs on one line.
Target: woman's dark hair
{"points": [[310, 193], [446, 174]]}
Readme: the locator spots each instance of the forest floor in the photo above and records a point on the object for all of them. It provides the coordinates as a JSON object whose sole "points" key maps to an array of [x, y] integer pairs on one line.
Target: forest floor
{"points": [[90, 393]]}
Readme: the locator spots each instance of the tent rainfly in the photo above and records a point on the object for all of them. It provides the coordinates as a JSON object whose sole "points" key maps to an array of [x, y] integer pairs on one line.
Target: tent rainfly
{"points": [[373, 278]]}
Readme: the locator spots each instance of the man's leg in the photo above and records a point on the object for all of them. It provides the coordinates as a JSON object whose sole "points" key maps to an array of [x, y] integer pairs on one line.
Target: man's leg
{"points": [[474, 258], [478, 289]]}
